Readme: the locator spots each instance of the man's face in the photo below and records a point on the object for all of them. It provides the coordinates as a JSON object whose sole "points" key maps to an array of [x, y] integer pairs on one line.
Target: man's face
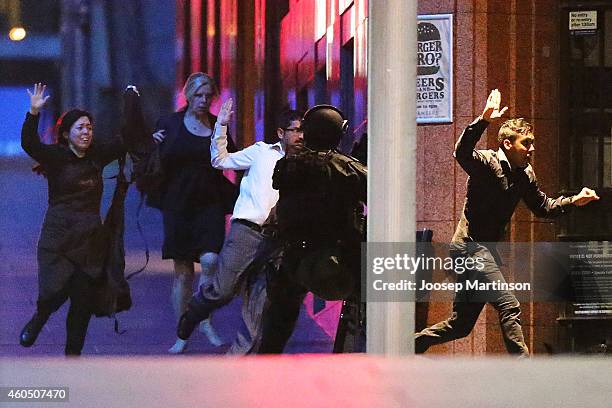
{"points": [[520, 151], [292, 137]]}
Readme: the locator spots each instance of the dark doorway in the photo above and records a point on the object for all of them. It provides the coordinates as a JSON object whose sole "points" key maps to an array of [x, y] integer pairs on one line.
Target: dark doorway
{"points": [[586, 118]]}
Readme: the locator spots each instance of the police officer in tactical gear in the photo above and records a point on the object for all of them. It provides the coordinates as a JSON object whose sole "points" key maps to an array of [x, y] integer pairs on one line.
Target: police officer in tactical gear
{"points": [[321, 224]]}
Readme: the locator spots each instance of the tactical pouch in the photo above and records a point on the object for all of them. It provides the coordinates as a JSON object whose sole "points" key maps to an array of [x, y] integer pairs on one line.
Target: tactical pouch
{"points": [[324, 272]]}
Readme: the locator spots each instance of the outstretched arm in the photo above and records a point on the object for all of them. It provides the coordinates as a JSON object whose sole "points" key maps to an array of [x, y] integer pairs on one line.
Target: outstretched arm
{"points": [[545, 207], [30, 140], [220, 157], [468, 158]]}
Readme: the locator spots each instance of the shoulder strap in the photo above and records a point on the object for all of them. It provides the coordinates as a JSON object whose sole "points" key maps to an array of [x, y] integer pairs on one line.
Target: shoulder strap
{"points": [[144, 238]]}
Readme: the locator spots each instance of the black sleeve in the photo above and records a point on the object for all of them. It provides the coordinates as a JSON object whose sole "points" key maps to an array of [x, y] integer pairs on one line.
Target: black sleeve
{"points": [[31, 144], [543, 206], [471, 160], [165, 123], [360, 174], [161, 124], [277, 176]]}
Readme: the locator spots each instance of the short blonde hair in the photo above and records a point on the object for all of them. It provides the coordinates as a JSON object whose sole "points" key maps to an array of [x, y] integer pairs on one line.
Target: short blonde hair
{"points": [[512, 128], [195, 81]]}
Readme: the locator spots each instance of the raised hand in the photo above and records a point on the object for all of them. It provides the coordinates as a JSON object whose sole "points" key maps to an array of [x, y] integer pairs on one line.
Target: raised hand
{"points": [[37, 98], [491, 110], [225, 113], [584, 197]]}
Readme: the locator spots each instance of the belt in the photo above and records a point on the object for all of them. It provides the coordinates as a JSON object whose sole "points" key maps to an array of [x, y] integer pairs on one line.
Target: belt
{"points": [[252, 225]]}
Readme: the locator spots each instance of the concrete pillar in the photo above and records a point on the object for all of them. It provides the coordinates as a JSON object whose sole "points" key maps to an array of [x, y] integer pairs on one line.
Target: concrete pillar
{"points": [[391, 156]]}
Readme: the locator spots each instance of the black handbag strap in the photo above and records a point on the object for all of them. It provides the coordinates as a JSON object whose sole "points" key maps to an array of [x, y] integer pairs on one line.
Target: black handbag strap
{"points": [[144, 238]]}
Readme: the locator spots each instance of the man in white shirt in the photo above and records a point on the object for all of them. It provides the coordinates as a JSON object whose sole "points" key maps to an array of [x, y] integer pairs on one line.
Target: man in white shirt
{"points": [[247, 239]]}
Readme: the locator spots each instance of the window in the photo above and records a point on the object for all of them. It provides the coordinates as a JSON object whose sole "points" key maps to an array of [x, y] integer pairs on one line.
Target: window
{"points": [[587, 102], [585, 121]]}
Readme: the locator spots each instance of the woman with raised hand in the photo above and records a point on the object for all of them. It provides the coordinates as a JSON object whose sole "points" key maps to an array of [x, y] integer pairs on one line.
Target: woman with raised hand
{"points": [[66, 268], [194, 197]]}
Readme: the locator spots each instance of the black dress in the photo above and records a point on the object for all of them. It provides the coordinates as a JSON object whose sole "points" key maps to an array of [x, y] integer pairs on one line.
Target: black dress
{"points": [[194, 195], [73, 216]]}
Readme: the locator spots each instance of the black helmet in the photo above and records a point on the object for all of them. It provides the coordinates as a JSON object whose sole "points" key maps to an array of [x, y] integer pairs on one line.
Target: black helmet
{"points": [[323, 127]]}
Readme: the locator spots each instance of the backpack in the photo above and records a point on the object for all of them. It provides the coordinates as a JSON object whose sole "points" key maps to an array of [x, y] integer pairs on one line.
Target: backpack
{"points": [[320, 219], [320, 197]]}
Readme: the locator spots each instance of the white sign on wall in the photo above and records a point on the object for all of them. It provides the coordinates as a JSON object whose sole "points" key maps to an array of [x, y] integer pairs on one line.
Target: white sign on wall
{"points": [[435, 69], [583, 20]]}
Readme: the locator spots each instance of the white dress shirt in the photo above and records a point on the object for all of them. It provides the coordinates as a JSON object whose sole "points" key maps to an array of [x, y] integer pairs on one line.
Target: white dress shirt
{"points": [[257, 197]]}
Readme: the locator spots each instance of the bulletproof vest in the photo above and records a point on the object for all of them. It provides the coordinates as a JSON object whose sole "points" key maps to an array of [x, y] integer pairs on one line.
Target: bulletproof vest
{"points": [[318, 197]]}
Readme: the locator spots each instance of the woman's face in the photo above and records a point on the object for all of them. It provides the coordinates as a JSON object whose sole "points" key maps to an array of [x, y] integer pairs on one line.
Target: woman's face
{"points": [[81, 134], [201, 99]]}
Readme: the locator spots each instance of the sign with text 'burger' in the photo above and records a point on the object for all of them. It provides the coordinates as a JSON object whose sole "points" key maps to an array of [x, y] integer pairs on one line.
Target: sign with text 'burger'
{"points": [[435, 69]]}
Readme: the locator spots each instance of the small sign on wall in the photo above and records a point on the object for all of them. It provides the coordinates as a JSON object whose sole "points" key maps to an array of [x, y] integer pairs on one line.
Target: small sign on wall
{"points": [[434, 102], [583, 22]]}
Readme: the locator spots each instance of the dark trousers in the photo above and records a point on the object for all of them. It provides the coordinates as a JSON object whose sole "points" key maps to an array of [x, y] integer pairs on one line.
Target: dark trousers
{"points": [[285, 297], [286, 292], [80, 290], [469, 303]]}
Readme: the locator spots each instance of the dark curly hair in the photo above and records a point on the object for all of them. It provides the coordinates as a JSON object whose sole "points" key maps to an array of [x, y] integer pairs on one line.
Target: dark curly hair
{"points": [[65, 122], [287, 116]]}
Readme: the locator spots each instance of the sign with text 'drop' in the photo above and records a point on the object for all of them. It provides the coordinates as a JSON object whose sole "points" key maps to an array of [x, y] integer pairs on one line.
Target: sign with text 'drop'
{"points": [[434, 88]]}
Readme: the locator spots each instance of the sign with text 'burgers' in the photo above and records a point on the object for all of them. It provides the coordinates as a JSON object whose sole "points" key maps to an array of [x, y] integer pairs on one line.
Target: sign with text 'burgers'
{"points": [[435, 69]]}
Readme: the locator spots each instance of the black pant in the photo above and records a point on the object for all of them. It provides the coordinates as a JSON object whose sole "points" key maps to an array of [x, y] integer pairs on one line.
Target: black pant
{"points": [[284, 299], [79, 289], [286, 290], [469, 303]]}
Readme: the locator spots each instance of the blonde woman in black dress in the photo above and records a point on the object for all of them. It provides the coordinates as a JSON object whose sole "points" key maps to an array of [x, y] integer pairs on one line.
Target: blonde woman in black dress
{"points": [[194, 196]]}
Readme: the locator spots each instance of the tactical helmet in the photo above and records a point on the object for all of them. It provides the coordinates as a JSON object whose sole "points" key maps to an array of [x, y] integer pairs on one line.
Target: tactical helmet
{"points": [[323, 127]]}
